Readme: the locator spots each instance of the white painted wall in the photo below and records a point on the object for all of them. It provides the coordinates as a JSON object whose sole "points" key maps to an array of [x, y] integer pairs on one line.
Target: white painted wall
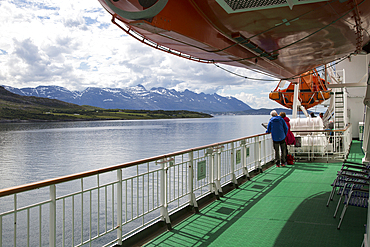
{"points": [[355, 68]]}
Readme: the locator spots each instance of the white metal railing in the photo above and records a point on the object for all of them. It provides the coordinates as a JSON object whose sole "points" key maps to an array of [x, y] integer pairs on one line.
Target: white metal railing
{"points": [[103, 207], [322, 143]]}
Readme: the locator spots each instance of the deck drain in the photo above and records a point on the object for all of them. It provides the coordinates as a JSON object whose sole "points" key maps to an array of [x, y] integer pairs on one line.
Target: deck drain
{"points": [[259, 187], [225, 210]]}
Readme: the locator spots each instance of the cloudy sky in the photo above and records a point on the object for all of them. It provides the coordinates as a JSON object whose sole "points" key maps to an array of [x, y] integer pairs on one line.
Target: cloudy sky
{"points": [[73, 44]]}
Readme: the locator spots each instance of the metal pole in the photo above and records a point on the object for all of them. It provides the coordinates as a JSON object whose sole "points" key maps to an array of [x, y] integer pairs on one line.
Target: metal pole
{"points": [[295, 101], [232, 165], [119, 206], [82, 210], [244, 159], [15, 220], [210, 164], [52, 216], [1, 231], [163, 189], [257, 153], [191, 178], [366, 138], [215, 169], [192, 199], [218, 172], [326, 76]]}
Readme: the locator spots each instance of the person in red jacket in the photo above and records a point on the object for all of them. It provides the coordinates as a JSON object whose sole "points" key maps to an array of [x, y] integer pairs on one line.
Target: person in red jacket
{"points": [[289, 139]]}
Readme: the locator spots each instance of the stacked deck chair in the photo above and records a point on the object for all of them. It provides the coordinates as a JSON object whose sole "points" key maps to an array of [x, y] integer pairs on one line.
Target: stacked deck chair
{"points": [[350, 171], [351, 184], [356, 197]]}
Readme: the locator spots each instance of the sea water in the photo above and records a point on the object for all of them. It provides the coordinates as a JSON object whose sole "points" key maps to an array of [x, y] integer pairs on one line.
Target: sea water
{"points": [[31, 152]]}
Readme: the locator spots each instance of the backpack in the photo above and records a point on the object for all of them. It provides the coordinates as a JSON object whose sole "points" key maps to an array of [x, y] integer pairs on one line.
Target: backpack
{"points": [[290, 159]]}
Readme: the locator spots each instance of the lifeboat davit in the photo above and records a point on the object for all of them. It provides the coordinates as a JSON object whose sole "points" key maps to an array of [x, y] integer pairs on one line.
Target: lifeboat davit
{"points": [[312, 91]]}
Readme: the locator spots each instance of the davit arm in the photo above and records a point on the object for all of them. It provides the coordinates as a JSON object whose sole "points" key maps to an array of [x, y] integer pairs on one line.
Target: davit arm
{"points": [[297, 103]]}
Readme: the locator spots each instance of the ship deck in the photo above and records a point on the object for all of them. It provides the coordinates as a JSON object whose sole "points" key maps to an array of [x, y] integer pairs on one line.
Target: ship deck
{"points": [[283, 206]]}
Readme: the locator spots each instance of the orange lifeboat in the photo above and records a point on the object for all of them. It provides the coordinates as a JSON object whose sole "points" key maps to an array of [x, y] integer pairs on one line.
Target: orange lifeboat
{"points": [[312, 91]]}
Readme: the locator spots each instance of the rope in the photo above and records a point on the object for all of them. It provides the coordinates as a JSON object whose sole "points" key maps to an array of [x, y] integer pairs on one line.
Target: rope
{"points": [[245, 77], [307, 36], [276, 26], [287, 79]]}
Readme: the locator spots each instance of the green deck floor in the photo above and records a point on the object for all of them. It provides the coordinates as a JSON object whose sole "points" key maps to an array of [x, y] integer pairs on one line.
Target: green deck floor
{"points": [[283, 206]]}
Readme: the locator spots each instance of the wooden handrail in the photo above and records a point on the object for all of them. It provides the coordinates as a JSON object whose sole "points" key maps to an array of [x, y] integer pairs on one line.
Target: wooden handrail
{"points": [[48, 182]]}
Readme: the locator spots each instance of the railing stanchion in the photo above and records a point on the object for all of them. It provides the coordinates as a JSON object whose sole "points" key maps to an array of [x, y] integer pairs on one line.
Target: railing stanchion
{"points": [[82, 210], [311, 151], [164, 211], [1, 231], [192, 199], [209, 153], [262, 151], [52, 216], [232, 166], [15, 220], [218, 171], [244, 159], [119, 206], [212, 171], [257, 153]]}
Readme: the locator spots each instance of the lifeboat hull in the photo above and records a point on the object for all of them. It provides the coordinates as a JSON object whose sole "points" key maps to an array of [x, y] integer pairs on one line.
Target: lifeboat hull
{"points": [[280, 39], [312, 91]]}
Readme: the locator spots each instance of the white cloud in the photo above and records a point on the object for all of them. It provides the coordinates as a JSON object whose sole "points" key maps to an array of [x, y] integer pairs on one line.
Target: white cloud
{"points": [[257, 102], [74, 44], [254, 101]]}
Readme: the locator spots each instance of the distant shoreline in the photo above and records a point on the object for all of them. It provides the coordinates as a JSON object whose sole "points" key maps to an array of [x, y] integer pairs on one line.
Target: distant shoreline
{"points": [[43, 120], [87, 119]]}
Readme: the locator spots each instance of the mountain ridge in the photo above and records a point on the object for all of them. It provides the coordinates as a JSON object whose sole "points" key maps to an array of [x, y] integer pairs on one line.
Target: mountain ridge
{"points": [[18, 108], [137, 98]]}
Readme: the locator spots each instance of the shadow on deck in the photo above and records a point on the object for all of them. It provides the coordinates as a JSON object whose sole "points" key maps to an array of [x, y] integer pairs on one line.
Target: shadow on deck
{"points": [[283, 206]]}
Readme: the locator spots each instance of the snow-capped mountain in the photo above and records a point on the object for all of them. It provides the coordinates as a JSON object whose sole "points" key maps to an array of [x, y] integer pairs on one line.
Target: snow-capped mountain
{"points": [[137, 98]]}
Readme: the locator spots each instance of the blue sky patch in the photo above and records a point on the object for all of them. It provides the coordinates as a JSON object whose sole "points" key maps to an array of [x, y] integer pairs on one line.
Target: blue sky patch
{"points": [[43, 6], [90, 21], [25, 3], [95, 10], [84, 66], [104, 25], [43, 17], [2, 52]]}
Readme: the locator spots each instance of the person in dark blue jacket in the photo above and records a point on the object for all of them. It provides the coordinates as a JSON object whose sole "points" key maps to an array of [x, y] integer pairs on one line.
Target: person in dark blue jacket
{"points": [[278, 129]]}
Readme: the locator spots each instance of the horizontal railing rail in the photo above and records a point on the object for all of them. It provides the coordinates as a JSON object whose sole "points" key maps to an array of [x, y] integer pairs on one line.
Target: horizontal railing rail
{"points": [[62, 179], [105, 206], [324, 131], [322, 143]]}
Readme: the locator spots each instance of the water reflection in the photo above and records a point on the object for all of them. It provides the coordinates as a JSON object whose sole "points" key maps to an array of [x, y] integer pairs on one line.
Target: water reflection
{"points": [[36, 151]]}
